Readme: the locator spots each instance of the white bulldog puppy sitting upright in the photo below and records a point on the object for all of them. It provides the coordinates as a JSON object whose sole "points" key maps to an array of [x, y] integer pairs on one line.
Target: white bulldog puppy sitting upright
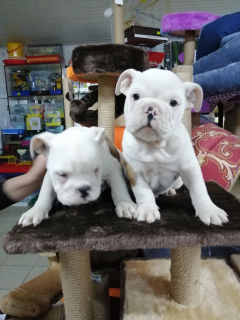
{"points": [[78, 160], [157, 147]]}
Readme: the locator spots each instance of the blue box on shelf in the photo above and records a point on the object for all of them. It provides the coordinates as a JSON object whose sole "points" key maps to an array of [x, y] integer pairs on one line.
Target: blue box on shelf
{"points": [[18, 93], [55, 91], [12, 131]]}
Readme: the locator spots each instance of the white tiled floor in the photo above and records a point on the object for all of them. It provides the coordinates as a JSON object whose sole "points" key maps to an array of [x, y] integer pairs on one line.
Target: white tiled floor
{"points": [[17, 269]]}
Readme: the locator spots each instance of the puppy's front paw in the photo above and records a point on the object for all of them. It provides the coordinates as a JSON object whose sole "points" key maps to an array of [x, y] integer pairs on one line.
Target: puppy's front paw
{"points": [[149, 214], [212, 214], [126, 209], [33, 216]]}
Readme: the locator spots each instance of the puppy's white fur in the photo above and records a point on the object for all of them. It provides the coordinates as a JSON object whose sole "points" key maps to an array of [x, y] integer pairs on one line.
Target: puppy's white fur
{"points": [[77, 161], [156, 144]]}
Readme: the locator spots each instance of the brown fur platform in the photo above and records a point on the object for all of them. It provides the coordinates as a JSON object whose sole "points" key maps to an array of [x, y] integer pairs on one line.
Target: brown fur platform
{"points": [[95, 226], [108, 58]]}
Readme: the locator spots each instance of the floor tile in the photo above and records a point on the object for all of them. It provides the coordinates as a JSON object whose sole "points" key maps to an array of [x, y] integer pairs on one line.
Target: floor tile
{"points": [[36, 271], [10, 216], [12, 276], [21, 260], [42, 262], [3, 255], [3, 293], [6, 226]]}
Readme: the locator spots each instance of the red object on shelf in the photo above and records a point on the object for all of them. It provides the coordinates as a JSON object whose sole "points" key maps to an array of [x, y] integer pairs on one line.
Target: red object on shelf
{"points": [[52, 58], [155, 58], [11, 62], [13, 169]]}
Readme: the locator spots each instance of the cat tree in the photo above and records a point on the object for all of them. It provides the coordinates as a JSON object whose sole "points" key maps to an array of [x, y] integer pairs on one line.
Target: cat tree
{"points": [[74, 232]]}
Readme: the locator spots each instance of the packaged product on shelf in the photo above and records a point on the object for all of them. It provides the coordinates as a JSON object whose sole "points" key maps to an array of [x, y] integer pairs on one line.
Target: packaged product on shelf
{"points": [[55, 83], [39, 82], [16, 122], [55, 105], [52, 118], [18, 109], [34, 122], [35, 108], [20, 83]]}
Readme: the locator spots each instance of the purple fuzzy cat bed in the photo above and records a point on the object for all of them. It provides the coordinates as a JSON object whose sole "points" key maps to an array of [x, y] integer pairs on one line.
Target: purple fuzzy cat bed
{"points": [[187, 25], [76, 230]]}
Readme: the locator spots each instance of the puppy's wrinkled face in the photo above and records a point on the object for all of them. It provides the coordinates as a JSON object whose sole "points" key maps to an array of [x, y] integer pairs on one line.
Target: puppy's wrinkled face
{"points": [[155, 102], [74, 163], [76, 171], [154, 106]]}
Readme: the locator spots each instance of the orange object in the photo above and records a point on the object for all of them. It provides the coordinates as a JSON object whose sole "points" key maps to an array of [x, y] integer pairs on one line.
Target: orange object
{"points": [[76, 77], [44, 59], [14, 49], [114, 292], [118, 137]]}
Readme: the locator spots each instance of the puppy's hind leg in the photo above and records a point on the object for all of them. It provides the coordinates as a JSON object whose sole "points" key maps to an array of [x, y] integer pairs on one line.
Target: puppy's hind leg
{"points": [[40, 210]]}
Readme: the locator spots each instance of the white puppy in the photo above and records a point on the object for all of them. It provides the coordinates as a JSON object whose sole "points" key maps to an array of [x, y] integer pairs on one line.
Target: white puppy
{"points": [[78, 159], [156, 145]]}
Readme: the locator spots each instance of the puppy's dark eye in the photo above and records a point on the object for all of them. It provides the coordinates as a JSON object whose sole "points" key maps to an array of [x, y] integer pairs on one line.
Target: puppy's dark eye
{"points": [[62, 174], [135, 96], [173, 103]]}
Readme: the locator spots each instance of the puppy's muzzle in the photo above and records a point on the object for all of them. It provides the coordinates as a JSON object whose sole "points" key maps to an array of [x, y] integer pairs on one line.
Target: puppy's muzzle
{"points": [[150, 115], [84, 191]]}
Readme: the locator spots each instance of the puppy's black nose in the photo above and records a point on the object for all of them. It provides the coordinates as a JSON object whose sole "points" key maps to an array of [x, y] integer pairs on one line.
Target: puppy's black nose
{"points": [[84, 190], [150, 117], [150, 109]]}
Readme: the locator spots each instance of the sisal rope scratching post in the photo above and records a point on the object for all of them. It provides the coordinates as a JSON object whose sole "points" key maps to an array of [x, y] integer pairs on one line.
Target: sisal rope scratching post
{"points": [[185, 272], [189, 47], [68, 120], [118, 23], [106, 104], [77, 286], [185, 261], [106, 84]]}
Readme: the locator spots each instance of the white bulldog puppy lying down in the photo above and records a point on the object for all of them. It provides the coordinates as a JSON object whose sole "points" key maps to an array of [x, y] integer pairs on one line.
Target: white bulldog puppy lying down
{"points": [[78, 160], [156, 145]]}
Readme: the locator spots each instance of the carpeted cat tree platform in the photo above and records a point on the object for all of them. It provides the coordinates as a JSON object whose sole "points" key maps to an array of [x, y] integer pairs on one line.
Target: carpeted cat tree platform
{"points": [[74, 232]]}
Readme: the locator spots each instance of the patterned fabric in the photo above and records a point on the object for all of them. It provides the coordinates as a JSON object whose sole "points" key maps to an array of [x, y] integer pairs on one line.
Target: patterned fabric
{"points": [[223, 96], [218, 153]]}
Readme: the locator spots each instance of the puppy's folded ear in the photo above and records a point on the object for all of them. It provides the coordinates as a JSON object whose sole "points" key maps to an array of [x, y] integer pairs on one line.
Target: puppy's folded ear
{"points": [[97, 133], [125, 81], [40, 144], [194, 95]]}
